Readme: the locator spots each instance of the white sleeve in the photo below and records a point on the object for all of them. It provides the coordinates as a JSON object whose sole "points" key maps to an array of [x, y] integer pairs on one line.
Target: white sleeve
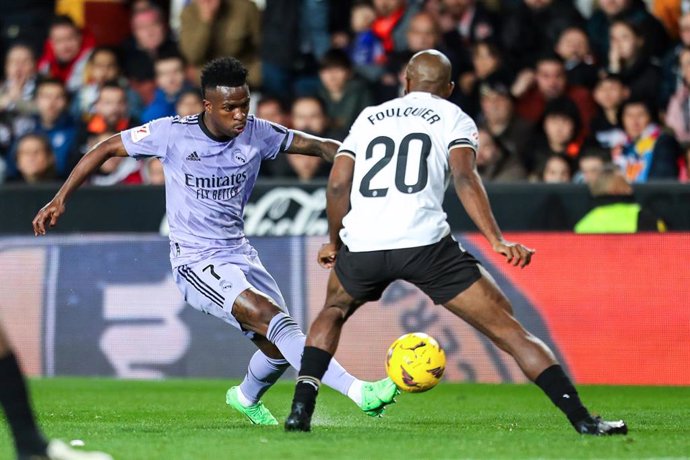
{"points": [[463, 133], [349, 145]]}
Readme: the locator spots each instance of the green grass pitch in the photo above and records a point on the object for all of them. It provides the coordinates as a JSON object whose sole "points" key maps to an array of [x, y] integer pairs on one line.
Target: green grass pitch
{"points": [[188, 419]]}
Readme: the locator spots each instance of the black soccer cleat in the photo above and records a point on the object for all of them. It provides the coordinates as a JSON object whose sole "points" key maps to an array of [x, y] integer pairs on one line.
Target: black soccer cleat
{"points": [[597, 427], [299, 418]]}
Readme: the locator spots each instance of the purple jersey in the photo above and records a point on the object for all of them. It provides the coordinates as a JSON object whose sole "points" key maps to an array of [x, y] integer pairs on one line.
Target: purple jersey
{"points": [[207, 181]]}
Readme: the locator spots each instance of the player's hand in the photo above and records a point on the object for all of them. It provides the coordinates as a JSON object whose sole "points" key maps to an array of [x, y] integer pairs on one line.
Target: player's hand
{"points": [[515, 253], [48, 213], [327, 255]]}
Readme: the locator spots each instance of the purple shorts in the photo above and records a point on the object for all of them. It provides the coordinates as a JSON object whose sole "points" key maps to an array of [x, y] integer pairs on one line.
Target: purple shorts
{"points": [[212, 285]]}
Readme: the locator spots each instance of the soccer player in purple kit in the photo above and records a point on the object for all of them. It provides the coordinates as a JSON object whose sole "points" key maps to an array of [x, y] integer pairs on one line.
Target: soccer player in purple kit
{"points": [[211, 162]]}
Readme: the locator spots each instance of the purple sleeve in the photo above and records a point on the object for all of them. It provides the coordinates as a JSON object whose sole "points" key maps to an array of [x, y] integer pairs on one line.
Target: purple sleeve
{"points": [[273, 138], [148, 140]]}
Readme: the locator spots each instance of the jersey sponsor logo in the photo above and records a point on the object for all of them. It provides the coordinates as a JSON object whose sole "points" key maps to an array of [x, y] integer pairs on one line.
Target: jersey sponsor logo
{"points": [[141, 132], [216, 188], [193, 157]]}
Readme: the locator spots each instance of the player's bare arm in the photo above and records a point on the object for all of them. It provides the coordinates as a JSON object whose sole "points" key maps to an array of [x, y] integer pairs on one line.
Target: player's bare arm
{"points": [[90, 162], [470, 190], [337, 206], [307, 144]]}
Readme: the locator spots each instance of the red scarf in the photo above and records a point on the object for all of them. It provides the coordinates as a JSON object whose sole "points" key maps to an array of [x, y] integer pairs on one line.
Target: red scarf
{"points": [[383, 28]]}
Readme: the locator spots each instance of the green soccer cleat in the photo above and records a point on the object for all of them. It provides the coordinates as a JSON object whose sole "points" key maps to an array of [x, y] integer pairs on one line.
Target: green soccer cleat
{"points": [[377, 395], [257, 413]]}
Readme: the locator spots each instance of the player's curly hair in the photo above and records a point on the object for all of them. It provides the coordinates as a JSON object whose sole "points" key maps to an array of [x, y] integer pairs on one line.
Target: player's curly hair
{"points": [[225, 71]]}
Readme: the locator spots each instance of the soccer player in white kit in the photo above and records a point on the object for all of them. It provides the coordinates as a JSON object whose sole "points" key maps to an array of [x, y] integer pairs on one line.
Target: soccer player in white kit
{"points": [[386, 222], [211, 162]]}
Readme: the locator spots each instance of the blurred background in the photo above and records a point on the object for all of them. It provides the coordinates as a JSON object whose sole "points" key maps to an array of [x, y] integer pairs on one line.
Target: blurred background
{"points": [[584, 115]]}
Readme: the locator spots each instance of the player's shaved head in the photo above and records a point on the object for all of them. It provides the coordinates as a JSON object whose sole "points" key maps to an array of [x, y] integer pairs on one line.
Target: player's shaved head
{"points": [[429, 71]]}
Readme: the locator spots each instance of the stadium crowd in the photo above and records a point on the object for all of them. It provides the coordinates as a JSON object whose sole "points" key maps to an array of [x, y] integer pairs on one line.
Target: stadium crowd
{"points": [[560, 89]]}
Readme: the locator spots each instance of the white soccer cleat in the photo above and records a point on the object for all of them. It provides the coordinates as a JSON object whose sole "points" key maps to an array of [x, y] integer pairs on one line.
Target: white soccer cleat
{"points": [[58, 450]]}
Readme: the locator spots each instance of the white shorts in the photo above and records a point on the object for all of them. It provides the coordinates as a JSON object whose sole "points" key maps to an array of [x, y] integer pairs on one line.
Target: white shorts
{"points": [[211, 286]]}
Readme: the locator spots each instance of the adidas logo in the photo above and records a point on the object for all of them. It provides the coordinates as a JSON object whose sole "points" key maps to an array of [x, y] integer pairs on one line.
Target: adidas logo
{"points": [[193, 157]]}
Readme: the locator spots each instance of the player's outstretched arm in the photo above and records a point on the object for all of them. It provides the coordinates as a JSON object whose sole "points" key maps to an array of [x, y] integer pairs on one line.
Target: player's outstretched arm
{"points": [[90, 162], [314, 146], [470, 190], [337, 206]]}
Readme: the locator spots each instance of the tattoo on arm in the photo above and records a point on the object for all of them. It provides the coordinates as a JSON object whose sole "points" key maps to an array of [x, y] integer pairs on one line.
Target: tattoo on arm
{"points": [[306, 144]]}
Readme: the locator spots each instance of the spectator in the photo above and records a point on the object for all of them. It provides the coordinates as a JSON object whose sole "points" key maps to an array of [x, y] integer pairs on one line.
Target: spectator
{"points": [[273, 110], [615, 209], [605, 127], [392, 21], [670, 70], [573, 47], [471, 23], [591, 164], [344, 95], [35, 160], [556, 169], [116, 170], [110, 114], [103, 66], [634, 11], [627, 59], [3, 169], [215, 28], [170, 83], [308, 115], [678, 113], [189, 103], [422, 34], [366, 49], [152, 172], [54, 122], [495, 163], [649, 153], [487, 62], [289, 67], [150, 39], [66, 52], [551, 83], [533, 28], [17, 91], [499, 119], [558, 134]]}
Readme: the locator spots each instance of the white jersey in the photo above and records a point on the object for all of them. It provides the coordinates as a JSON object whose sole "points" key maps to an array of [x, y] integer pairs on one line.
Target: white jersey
{"points": [[401, 171]]}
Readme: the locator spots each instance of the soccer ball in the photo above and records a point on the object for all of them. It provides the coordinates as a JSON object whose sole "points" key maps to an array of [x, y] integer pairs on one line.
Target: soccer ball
{"points": [[415, 362]]}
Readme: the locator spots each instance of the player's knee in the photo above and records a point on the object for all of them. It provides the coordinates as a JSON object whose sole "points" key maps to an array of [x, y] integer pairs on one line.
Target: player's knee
{"points": [[254, 311]]}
